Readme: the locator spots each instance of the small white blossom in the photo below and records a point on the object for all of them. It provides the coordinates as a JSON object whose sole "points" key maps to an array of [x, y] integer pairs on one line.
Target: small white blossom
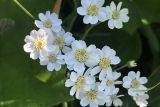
{"points": [[107, 58], [141, 100], [134, 83], [93, 97], [38, 44], [81, 55], [114, 98], [132, 64], [80, 82], [116, 15], [62, 40], [92, 11], [49, 22], [108, 84], [53, 60]]}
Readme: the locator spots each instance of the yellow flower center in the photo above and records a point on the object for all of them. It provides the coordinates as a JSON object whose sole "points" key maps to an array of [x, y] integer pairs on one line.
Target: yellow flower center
{"points": [[135, 84], [39, 43], [59, 41], [116, 14], [81, 55], [91, 95], [92, 10], [113, 97], [47, 23], [52, 58], [105, 63], [110, 83], [80, 82]]}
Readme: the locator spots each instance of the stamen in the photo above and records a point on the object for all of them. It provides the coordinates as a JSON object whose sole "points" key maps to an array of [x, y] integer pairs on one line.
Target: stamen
{"points": [[91, 95], [81, 55], [80, 82], [39, 43], [104, 63], [92, 10], [47, 23]]}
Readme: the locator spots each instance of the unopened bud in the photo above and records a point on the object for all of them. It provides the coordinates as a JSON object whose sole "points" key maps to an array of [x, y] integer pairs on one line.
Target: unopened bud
{"points": [[132, 64]]}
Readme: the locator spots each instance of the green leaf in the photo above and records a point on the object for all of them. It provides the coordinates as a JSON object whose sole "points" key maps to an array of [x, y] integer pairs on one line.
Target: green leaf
{"points": [[149, 9], [154, 93], [23, 82]]}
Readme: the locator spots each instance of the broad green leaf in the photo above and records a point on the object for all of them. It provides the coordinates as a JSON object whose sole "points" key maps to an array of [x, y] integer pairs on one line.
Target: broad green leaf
{"points": [[154, 94], [149, 9], [23, 82]]}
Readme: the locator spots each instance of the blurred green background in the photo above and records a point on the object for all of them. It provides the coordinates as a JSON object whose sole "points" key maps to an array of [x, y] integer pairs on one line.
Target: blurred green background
{"points": [[24, 83]]}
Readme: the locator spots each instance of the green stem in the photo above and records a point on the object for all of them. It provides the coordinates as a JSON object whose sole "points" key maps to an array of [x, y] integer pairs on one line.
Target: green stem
{"points": [[25, 10], [65, 104], [121, 67], [87, 31]]}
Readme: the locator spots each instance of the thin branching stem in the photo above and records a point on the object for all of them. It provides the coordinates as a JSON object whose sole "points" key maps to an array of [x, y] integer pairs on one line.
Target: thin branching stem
{"points": [[24, 9]]}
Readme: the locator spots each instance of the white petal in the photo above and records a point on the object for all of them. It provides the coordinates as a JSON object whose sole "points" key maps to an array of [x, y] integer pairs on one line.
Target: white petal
{"points": [[143, 80], [116, 75], [95, 70], [87, 19], [79, 67], [56, 28], [73, 90], [115, 60], [102, 16], [69, 83], [27, 47], [90, 79], [57, 67], [84, 102], [66, 49], [69, 58], [81, 11], [117, 102], [50, 67], [124, 11], [112, 6], [34, 55], [42, 17], [119, 6], [93, 104], [94, 20], [102, 86], [102, 75], [39, 24], [73, 76], [93, 60], [44, 61], [111, 24], [118, 24], [132, 74], [127, 84], [126, 78]]}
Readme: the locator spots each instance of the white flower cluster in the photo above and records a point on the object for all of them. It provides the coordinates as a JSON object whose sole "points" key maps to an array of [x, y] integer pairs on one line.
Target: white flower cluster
{"points": [[50, 42], [135, 85], [92, 79], [93, 11]]}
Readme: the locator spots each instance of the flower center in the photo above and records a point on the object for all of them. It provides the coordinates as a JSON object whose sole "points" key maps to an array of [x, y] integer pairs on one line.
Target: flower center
{"points": [[80, 82], [59, 40], [91, 95], [52, 58], [47, 23], [104, 63], [39, 43], [135, 84], [113, 97], [110, 83], [81, 55], [116, 14], [92, 10]]}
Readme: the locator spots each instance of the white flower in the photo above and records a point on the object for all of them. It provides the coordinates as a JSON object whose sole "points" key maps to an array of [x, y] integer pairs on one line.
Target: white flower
{"points": [[107, 58], [93, 97], [132, 64], [80, 82], [62, 40], [37, 44], [81, 55], [134, 83], [116, 15], [108, 84], [114, 98], [53, 60], [141, 100], [49, 22], [92, 11]]}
